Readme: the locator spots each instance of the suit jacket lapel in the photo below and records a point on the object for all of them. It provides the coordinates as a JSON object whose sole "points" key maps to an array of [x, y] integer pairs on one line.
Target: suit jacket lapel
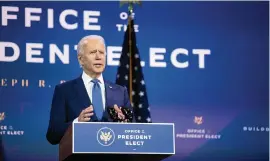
{"points": [[108, 95], [83, 96], [82, 93]]}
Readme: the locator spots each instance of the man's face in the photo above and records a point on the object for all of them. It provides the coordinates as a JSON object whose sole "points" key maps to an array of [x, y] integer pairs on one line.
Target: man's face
{"points": [[93, 57]]}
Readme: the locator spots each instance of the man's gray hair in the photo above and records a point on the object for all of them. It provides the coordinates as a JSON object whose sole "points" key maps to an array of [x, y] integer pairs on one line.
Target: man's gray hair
{"points": [[84, 40]]}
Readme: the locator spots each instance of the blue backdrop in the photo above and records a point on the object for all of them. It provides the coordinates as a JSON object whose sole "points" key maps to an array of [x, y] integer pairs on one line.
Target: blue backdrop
{"points": [[220, 107]]}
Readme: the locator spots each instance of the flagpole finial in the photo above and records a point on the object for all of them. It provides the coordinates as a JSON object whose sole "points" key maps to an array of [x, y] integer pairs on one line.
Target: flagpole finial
{"points": [[131, 4]]}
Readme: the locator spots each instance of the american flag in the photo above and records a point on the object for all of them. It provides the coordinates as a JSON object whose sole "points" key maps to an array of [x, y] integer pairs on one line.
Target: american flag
{"points": [[135, 86]]}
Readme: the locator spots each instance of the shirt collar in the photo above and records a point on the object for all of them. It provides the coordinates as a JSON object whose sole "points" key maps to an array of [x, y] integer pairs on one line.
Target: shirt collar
{"points": [[87, 79]]}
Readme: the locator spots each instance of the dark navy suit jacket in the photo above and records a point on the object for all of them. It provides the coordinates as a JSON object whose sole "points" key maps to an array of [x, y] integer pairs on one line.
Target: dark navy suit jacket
{"points": [[71, 97]]}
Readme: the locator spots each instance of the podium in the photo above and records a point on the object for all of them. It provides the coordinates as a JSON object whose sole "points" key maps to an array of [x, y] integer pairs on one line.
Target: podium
{"points": [[117, 141]]}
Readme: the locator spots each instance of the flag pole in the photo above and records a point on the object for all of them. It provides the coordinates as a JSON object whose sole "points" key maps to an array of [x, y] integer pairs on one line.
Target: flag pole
{"points": [[130, 10]]}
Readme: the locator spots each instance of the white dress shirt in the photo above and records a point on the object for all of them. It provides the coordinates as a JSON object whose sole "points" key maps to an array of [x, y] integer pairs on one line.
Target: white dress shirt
{"points": [[89, 85]]}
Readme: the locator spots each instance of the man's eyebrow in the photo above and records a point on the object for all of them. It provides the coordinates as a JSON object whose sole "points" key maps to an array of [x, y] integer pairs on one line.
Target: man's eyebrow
{"points": [[93, 51]]}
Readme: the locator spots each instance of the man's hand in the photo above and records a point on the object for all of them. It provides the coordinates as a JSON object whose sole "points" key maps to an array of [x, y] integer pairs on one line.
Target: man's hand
{"points": [[86, 114], [120, 113]]}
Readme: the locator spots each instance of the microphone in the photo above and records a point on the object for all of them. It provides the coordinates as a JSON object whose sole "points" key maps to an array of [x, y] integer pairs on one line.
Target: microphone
{"points": [[126, 112]]}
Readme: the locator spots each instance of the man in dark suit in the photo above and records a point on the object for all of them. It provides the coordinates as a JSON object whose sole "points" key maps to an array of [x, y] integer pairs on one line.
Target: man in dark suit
{"points": [[87, 97]]}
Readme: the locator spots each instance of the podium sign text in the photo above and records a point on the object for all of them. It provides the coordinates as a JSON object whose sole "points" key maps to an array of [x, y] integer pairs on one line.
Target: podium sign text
{"points": [[128, 138]]}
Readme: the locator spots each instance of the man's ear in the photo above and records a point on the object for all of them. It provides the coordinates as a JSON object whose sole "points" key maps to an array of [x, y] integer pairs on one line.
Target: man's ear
{"points": [[80, 59]]}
